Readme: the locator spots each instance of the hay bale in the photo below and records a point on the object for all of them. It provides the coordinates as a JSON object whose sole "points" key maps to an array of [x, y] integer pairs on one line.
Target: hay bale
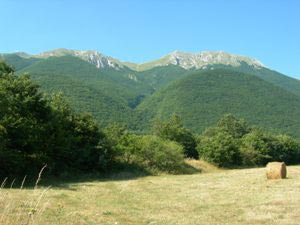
{"points": [[276, 170]]}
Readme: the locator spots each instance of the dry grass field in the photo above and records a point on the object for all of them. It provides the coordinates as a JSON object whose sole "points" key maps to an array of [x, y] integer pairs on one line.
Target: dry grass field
{"points": [[213, 197]]}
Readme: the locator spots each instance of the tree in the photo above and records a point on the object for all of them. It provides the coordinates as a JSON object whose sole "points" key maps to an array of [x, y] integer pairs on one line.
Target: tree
{"points": [[75, 140], [254, 148], [36, 129], [284, 148], [5, 69], [232, 142], [173, 130], [157, 154], [237, 128], [124, 144], [220, 149], [115, 133]]}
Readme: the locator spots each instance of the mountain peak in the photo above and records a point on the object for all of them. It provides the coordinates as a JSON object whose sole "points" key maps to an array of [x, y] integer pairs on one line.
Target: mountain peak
{"points": [[186, 60], [91, 56], [204, 58], [200, 60]]}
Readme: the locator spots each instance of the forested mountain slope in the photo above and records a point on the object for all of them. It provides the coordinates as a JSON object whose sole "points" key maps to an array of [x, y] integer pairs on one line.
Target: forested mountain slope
{"points": [[201, 98], [199, 87]]}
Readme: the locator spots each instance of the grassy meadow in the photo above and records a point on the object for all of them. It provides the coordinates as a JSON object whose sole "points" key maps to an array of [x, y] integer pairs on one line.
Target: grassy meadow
{"points": [[239, 196]]}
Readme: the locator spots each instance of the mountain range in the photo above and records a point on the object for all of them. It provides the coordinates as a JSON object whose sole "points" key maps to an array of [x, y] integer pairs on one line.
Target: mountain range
{"points": [[183, 59], [199, 87]]}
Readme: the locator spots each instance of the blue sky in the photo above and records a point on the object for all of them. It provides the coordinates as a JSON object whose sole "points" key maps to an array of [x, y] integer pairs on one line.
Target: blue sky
{"points": [[142, 30]]}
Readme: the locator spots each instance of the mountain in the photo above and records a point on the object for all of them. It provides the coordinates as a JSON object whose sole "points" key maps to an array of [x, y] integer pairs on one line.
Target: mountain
{"points": [[18, 61], [106, 93], [93, 57], [197, 60], [160, 76], [200, 87], [182, 59], [202, 97], [160, 72], [209, 60]]}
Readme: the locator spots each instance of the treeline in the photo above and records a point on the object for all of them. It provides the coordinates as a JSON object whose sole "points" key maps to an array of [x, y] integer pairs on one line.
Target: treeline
{"points": [[38, 129], [232, 142]]}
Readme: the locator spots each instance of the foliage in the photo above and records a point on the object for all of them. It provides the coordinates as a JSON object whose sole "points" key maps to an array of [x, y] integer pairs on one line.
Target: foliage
{"points": [[151, 153], [200, 98], [254, 149], [173, 130], [5, 68], [157, 154], [220, 149], [284, 148], [233, 143], [260, 147], [237, 128], [123, 143], [109, 95], [37, 130]]}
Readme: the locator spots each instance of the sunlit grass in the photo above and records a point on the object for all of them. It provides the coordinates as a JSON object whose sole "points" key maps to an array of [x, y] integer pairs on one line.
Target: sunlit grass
{"points": [[220, 197]]}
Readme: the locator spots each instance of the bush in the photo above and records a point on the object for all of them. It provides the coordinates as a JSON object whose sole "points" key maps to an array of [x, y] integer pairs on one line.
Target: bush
{"points": [[284, 148], [254, 149], [173, 130], [232, 143], [2, 136], [157, 154], [151, 153], [259, 148], [221, 149]]}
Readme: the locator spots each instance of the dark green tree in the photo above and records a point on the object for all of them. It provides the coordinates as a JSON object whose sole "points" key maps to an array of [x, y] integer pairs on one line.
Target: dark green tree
{"points": [[221, 149], [284, 148], [237, 128], [124, 143], [173, 130], [157, 154], [254, 148], [37, 130]]}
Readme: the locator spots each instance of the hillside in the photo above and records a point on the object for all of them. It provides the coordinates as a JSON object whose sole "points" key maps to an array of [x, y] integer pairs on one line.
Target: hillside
{"points": [[160, 76], [87, 88], [135, 94], [201, 98], [288, 83], [17, 61]]}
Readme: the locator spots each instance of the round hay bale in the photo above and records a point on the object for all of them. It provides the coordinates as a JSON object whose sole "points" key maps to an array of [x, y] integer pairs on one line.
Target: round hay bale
{"points": [[276, 170]]}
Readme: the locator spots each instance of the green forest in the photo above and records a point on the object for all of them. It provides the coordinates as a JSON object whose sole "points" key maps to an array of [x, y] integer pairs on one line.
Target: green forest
{"points": [[39, 128], [265, 98]]}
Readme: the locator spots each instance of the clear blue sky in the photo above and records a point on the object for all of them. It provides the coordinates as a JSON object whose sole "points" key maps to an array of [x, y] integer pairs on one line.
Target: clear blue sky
{"points": [[142, 30]]}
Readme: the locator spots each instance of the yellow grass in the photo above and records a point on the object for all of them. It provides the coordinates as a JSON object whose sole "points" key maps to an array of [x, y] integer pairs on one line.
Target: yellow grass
{"points": [[223, 197]]}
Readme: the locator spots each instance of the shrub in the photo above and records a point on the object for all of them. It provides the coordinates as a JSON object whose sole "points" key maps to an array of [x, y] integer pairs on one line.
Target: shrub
{"points": [[157, 154], [259, 148], [254, 149], [232, 143], [221, 149], [115, 134], [173, 130], [284, 148]]}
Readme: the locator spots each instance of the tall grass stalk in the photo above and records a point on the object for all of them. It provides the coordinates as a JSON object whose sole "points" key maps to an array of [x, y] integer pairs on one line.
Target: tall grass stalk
{"points": [[25, 210]]}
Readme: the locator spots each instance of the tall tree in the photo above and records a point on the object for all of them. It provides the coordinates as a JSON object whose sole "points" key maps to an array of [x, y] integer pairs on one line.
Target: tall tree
{"points": [[173, 130]]}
